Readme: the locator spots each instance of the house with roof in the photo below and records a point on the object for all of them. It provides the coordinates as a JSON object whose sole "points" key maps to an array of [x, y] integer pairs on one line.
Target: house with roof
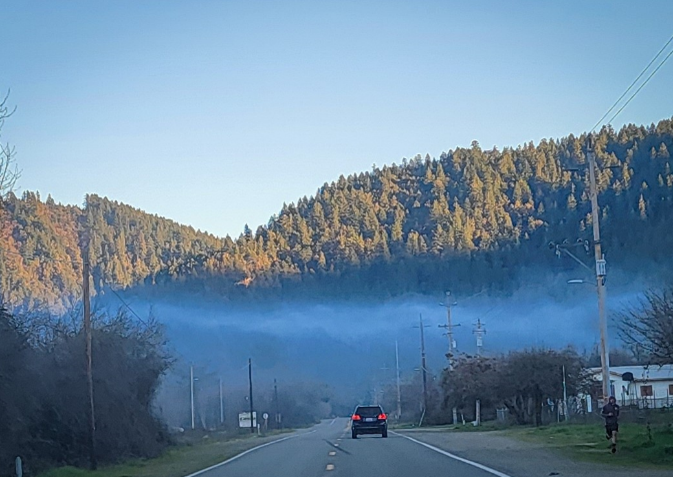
{"points": [[640, 386]]}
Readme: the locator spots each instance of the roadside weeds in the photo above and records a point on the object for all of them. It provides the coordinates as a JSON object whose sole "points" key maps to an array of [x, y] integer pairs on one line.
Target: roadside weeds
{"points": [[177, 461], [637, 445]]}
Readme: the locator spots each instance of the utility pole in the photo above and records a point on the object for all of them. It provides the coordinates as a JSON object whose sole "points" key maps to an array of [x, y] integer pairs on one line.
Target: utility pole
{"points": [[479, 332], [452, 342], [423, 367], [382, 383], [89, 360], [399, 393], [275, 398], [565, 395], [449, 329], [191, 393], [221, 404], [600, 269], [252, 421]]}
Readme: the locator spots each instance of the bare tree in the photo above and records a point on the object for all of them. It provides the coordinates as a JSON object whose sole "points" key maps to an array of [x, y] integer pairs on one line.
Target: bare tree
{"points": [[647, 327], [522, 381], [9, 170], [529, 378]]}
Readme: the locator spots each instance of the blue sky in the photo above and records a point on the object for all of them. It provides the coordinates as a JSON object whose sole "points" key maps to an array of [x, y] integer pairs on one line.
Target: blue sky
{"points": [[215, 113]]}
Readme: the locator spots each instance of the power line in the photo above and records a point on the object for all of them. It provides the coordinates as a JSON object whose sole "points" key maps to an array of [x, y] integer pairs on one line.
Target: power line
{"points": [[642, 85], [128, 307], [74, 262], [633, 84]]}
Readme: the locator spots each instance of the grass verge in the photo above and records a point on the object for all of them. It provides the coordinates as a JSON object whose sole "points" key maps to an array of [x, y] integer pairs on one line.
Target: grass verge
{"points": [[176, 462], [636, 445]]}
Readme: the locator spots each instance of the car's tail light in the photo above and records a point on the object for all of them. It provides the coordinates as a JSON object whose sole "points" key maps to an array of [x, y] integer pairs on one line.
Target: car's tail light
{"points": [[382, 416], [356, 417]]}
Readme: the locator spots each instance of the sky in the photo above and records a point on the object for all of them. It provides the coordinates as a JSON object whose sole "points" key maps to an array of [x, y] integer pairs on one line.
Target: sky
{"points": [[214, 114]]}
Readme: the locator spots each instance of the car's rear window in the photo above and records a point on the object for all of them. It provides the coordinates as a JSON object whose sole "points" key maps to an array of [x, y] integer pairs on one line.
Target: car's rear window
{"points": [[368, 411]]}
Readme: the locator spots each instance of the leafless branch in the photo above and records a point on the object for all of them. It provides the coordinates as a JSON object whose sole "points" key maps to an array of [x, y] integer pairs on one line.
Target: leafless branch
{"points": [[647, 327], [9, 170]]}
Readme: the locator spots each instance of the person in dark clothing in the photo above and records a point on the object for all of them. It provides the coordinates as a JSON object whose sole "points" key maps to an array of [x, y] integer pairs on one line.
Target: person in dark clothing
{"points": [[610, 413]]}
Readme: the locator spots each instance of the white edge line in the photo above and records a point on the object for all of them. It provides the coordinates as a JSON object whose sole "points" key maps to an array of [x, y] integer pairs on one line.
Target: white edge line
{"points": [[452, 456], [208, 469]]}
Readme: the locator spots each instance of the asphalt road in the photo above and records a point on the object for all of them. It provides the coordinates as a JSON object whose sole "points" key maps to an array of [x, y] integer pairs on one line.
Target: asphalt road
{"points": [[328, 450]]}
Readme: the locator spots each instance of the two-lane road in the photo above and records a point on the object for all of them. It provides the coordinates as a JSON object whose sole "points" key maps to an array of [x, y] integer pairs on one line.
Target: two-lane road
{"points": [[328, 450]]}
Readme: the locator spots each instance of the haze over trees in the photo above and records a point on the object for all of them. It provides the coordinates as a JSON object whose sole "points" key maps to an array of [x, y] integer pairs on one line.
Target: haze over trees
{"points": [[468, 219]]}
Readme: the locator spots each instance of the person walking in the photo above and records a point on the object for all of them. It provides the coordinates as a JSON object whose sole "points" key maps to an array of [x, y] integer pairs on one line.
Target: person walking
{"points": [[610, 413]]}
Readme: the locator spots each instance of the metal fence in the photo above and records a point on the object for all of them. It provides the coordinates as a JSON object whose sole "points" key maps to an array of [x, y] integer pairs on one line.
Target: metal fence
{"points": [[649, 402]]}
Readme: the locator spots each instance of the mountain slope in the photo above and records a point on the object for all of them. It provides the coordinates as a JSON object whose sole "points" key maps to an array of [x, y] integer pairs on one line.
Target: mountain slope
{"points": [[40, 248], [468, 219]]}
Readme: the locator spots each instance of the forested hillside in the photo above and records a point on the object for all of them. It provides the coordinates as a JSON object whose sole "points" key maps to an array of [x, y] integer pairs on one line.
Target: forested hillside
{"points": [[468, 219], [40, 248]]}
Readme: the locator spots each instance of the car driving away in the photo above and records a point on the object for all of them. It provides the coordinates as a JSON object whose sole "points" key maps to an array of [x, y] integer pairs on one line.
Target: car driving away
{"points": [[369, 420]]}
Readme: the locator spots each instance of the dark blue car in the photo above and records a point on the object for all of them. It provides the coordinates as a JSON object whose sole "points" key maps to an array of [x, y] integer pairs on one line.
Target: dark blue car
{"points": [[369, 420]]}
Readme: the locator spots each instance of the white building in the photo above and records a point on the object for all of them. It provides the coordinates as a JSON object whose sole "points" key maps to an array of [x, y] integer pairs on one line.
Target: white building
{"points": [[641, 386]]}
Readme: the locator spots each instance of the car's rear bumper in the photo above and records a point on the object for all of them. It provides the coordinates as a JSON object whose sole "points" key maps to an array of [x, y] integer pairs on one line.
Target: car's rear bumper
{"points": [[369, 429]]}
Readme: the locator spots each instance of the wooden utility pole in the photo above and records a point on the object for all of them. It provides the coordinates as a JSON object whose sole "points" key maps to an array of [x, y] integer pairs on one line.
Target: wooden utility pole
{"points": [[275, 399], [449, 326], [399, 393], [600, 269], [191, 395], [89, 360], [252, 421], [423, 367], [479, 331], [221, 404]]}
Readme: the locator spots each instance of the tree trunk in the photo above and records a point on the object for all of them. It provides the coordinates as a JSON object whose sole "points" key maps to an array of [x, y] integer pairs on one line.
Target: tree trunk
{"points": [[517, 408], [538, 408]]}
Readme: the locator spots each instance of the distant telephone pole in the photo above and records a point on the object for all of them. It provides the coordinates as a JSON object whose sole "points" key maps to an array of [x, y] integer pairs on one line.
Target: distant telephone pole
{"points": [[252, 421], [399, 393], [89, 359], [448, 302], [479, 332], [191, 394], [221, 404], [275, 399], [423, 366], [449, 329]]}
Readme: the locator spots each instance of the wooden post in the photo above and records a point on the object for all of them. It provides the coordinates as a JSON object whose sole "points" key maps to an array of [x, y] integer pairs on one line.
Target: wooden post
{"points": [[89, 361], [600, 271], [252, 421]]}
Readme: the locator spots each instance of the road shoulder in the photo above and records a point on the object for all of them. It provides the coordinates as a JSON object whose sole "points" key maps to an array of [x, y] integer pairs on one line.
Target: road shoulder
{"points": [[518, 458]]}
